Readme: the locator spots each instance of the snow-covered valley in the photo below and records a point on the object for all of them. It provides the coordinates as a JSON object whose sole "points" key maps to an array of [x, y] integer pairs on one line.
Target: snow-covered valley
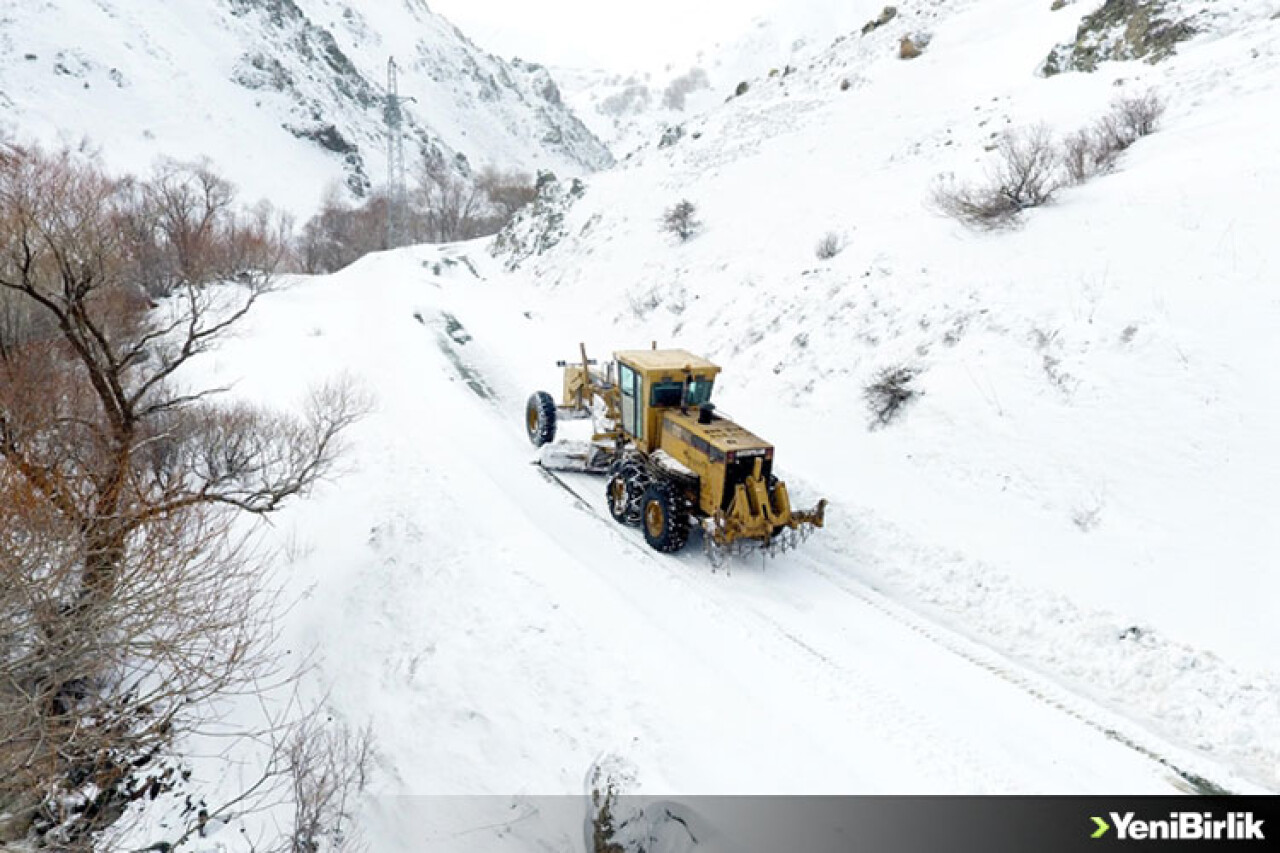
{"points": [[1055, 571]]}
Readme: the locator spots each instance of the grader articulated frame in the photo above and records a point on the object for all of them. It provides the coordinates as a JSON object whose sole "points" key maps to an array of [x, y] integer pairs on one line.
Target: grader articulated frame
{"points": [[671, 460]]}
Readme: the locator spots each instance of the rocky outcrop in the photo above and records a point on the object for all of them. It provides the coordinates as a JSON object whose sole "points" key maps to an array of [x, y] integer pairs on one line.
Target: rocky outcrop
{"points": [[538, 226], [886, 15], [1122, 30]]}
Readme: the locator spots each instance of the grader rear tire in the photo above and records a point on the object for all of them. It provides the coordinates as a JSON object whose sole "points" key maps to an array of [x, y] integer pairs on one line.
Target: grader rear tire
{"points": [[540, 418], [664, 517]]}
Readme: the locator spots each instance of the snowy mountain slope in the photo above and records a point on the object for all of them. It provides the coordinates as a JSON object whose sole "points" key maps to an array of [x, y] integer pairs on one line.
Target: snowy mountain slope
{"points": [[501, 635], [285, 97], [1089, 464]]}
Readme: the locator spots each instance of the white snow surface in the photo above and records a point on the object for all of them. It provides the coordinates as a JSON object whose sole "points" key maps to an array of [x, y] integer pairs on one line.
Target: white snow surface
{"points": [[1054, 573]]}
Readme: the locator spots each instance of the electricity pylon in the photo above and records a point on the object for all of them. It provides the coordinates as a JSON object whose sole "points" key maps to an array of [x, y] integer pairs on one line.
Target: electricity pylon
{"points": [[397, 194]]}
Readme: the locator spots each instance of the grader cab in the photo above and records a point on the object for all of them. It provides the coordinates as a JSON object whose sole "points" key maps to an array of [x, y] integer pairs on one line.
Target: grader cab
{"points": [[670, 458]]}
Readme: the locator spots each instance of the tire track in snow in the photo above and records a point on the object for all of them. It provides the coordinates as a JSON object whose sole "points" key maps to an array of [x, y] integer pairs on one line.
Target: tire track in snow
{"points": [[1041, 688], [900, 724]]}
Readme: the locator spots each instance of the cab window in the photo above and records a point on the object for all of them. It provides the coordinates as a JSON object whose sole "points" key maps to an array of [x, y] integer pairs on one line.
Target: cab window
{"points": [[700, 391], [666, 394]]}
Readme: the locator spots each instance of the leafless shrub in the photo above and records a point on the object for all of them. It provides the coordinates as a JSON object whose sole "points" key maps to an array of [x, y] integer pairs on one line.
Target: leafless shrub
{"points": [[1129, 119], [621, 823], [506, 191], [1087, 518], [1026, 172], [829, 245], [1110, 139], [1079, 156], [682, 220], [329, 767], [982, 208], [1139, 115], [1025, 175], [131, 595], [889, 393], [1094, 150]]}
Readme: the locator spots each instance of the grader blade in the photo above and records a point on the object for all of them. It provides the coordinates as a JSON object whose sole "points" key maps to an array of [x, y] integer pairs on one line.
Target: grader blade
{"points": [[580, 456]]}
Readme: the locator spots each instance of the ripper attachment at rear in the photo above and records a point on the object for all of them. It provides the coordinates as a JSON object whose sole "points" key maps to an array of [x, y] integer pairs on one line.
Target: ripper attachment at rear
{"points": [[670, 459]]}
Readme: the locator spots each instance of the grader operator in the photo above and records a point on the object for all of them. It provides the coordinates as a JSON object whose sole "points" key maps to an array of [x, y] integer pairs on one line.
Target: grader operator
{"points": [[671, 460]]}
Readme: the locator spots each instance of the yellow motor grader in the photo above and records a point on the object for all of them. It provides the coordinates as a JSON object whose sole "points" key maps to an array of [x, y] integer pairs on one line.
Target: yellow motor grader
{"points": [[671, 460]]}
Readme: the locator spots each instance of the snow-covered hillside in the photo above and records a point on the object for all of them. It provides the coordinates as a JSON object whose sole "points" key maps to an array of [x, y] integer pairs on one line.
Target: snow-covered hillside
{"points": [[286, 97], [1090, 460], [634, 109], [1055, 571]]}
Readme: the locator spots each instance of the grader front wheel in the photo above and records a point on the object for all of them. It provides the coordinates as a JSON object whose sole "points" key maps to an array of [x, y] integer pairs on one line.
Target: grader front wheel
{"points": [[540, 418]]}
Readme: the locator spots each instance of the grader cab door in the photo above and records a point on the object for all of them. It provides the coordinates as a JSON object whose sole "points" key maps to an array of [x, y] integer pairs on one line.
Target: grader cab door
{"points": [[629, 383]]}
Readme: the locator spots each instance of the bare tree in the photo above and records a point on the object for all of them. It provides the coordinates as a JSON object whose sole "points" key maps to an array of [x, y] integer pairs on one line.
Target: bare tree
{"points": [[191, 200], [182, 225], [452, 204], [506, 191], [131, 597], [341, 234], [444, 207]]}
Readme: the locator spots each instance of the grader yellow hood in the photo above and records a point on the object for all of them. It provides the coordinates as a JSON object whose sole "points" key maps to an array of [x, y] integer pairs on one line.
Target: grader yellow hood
{"points": [[741, 496]]}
